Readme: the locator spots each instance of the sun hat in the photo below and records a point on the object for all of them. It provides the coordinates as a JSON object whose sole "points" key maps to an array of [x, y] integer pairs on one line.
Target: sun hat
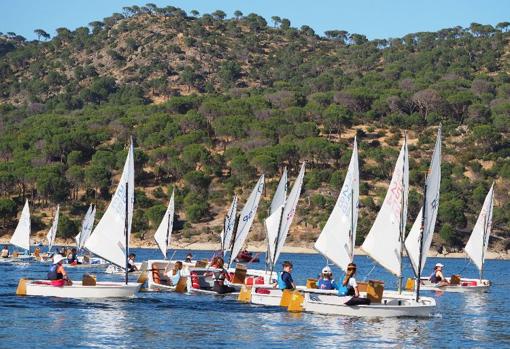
{"points": [[57, 258], [439, 265], [326, 270]]}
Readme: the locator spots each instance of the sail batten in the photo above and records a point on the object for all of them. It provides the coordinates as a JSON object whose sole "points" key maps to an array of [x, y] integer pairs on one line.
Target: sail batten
{"points": [[422, 235], [476, 247], [164, 231], [383, 242], [246, 218], [336, 241], [108, 240], [21, 235]]}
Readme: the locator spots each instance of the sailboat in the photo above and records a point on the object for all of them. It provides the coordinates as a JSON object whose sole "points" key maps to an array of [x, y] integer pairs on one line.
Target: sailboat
{"points": [[277, 227], [418, 241], [86, 229], [476, 249], [383, 243], [52, 233], [201, 280], [21, 236], [109, 240], [156, 278]]}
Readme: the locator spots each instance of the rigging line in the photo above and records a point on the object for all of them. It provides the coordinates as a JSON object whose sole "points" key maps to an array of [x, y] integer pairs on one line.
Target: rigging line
{"points": [[370, 272]]}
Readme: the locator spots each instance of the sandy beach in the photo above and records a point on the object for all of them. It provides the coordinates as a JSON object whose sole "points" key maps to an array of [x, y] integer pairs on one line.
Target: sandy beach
{"points": [[261, 247]]}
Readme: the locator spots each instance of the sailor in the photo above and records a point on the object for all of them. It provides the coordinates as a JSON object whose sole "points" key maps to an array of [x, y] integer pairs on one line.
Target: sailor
{"points": [[351, 286], [285, 281], [220, 277], [5, 252], [326, 281], [131, 263], [57, 271], [72, 257], [437, 276], [175, 274]]}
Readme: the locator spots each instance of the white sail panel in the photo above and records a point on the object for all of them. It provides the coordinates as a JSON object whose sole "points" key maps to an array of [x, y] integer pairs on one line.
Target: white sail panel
{"points": [[228, 226], [108, 238], [21, 236], [272, 227], [383, 242], [164, 231], [280, 194], [246, 218], [336, 241], [86, 226], [476, 247], [433, 182], [52, 233], [289, 211]]}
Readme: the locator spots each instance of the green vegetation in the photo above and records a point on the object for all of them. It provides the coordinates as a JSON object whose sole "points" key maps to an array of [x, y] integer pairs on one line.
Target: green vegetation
{"points": [[212, 102]]}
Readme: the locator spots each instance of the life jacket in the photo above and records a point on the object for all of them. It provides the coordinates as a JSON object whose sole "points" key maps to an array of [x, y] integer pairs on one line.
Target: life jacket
{"points": [[52, 274], [434, 278], [325, 284], [281, 284]]}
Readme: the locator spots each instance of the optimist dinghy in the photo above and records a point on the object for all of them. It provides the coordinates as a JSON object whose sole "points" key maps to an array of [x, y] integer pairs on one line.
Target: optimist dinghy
{"points": [[476, 249], [110, 240], [384, 244]]}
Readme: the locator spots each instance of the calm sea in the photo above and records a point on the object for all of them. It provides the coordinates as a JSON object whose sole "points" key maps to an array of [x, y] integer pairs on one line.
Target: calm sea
{"points": [[167, 320]]}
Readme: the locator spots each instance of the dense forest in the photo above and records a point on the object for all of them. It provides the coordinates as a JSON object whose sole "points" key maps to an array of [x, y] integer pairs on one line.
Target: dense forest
{"points": [[213, 102]]}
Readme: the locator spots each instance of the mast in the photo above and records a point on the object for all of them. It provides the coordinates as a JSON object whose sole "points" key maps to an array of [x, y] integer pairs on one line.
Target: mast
{"points": [[233, 240], [402, 222], [167, 233], [483, 244], [351, 234], [126, 229], [418, 274]]}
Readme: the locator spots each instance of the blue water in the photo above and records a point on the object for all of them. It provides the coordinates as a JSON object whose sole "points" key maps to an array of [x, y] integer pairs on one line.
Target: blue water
{"points": [[168, 320]]}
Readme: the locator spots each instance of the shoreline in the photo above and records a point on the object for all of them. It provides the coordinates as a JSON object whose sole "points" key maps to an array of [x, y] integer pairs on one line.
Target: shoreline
{"points": [[259, 247]]}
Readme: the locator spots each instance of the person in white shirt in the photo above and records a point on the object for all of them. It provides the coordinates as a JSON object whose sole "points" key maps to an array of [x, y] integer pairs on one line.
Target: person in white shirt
{"points": [[175, 274], [352, 287]]}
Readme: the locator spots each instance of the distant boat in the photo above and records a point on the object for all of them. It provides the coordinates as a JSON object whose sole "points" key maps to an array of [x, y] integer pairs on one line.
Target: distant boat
{"points": [[110, 240], [476, 249], [21, 237]]}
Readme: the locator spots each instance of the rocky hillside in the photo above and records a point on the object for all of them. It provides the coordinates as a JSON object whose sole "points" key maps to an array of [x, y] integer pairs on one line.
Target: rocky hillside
{"points": [[212, 102]]}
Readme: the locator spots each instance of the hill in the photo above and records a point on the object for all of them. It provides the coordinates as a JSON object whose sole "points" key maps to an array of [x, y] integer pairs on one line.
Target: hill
{"points": [[212, 102]]}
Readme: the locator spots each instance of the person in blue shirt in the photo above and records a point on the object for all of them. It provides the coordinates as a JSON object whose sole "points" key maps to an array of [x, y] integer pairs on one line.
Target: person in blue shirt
{"points": [[285, 281], [326, 281]]}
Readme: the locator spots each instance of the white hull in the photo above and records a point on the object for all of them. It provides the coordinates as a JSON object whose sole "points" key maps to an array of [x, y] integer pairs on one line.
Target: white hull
{"points": [[391, 305], [77, 290], [333, 305], [19, 259], [466, 285], [267, 295]]}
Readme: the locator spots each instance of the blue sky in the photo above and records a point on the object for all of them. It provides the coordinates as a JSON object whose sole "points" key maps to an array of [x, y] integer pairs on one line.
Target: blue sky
{"points": [[373, 18]]}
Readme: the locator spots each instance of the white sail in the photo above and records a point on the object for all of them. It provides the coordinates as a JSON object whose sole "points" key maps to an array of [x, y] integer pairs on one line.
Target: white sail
{"points": [[476, 247], [289, 211], [228, 226], [414, 238], [246, 218], [86, 226], [280, 194], [164, 231], [383, 242], [336, 241], [53, 230], [272, 223], [108, 238], [21, 236]]}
